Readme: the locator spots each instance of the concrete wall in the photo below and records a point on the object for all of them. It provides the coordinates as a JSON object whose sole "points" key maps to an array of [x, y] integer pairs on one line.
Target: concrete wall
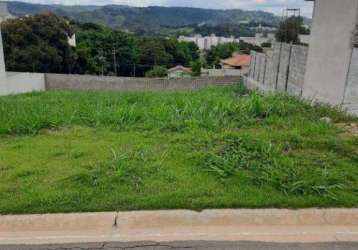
{"points": [[297, 70], [257, 66], [273, 59], [252, 64], [17, 83], [87, 82], [330, 50], [224, 72], [350, 102], [281, 69], [262, 68], [285, 57]]}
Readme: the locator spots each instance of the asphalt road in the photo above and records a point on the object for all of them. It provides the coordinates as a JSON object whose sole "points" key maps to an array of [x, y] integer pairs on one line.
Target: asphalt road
{"points": [[189, 246]]}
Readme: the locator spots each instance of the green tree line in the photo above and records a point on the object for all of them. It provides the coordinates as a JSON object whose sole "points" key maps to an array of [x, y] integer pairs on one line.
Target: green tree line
{"points": [[39, 43]]}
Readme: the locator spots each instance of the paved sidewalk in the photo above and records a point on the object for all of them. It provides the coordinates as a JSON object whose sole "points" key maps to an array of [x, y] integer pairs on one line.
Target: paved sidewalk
{"points": [[270, 225], [190, 246]]}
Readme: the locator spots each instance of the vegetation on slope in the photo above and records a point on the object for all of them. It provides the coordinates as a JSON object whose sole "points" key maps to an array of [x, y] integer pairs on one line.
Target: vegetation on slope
{"points": [[119, 16], [29, 47]]}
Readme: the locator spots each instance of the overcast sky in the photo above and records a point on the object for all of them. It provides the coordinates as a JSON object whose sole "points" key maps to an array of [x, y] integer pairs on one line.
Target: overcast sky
{"points": [[274, 6]]}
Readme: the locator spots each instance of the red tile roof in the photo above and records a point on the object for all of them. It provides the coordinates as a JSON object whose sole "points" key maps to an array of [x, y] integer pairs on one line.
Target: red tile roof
{"points": [[237, 60]]}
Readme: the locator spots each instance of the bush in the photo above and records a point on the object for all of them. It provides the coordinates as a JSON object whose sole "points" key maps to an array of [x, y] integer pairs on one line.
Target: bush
{"points": [[196, 68], [157, 71]]}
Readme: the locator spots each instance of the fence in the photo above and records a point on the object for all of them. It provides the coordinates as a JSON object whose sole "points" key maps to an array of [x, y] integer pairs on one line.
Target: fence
{"points": [[281, 69], [87, 82]]}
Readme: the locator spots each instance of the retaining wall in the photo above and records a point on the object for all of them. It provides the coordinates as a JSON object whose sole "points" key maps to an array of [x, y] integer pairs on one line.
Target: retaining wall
{"points": [[87, 82], [284, 70]]}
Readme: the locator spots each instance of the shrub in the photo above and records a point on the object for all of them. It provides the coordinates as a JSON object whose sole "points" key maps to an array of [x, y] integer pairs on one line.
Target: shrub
{"points": [[157, 71], [196, 68]]}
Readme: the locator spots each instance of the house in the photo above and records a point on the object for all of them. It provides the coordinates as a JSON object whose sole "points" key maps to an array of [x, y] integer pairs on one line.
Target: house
{"points": [[72, 40], [179, 72], [237, 61]]}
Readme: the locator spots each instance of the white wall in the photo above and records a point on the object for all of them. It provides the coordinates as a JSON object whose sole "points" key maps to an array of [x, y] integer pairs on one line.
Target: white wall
{"points": [[17, 83], [330, 50], [224, 72]]}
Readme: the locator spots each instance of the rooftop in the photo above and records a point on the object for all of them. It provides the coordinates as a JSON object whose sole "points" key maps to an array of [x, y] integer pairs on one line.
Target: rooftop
{"points": [[180, 67], [237, 60]]}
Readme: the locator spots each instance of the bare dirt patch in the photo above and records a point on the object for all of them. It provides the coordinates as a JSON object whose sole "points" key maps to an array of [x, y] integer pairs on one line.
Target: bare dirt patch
{"points": [[349, 128]]}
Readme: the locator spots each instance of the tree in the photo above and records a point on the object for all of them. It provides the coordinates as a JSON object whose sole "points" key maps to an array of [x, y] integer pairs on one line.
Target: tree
{"points": [[223, 51], [98, 46], [165, 52], [38, 43], [290, 29], [196, 68], [157, 71]]}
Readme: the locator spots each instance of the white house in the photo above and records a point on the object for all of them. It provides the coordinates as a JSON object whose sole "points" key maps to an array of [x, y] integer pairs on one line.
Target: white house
{"points": [[72, 40], [179, 72]]}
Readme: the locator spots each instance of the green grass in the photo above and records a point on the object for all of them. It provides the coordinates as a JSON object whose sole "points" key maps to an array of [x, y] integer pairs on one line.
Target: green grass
{"points": [[213, 148]]}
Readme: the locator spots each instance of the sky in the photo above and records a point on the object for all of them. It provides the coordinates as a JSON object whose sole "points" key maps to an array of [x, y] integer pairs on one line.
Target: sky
{"points": [[274, 6]]}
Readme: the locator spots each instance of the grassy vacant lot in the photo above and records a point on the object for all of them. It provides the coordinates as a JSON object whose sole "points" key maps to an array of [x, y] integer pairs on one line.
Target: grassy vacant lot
{"points": [[213, 148]]}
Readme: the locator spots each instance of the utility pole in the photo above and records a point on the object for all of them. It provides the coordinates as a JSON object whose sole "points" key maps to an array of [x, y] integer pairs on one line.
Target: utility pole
{"points": [[295, 12], [290, 12], [114, 61]]}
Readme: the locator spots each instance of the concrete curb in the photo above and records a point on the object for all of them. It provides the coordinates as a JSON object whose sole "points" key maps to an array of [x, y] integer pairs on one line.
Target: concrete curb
{"points": [[267, 225]]}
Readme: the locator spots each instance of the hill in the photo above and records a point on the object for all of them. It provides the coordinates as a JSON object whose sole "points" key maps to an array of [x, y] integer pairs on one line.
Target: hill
{"points": [[133, 18]]}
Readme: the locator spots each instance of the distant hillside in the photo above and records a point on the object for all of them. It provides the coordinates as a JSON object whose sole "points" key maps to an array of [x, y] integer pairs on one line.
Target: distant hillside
{"points": [[141, 18]]}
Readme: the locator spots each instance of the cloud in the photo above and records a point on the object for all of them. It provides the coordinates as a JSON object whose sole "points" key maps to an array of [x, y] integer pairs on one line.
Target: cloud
{"points": [[275, 6]]}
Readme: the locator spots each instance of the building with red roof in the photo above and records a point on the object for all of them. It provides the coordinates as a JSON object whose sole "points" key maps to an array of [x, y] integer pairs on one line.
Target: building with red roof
{"points": [[237, 61]]}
